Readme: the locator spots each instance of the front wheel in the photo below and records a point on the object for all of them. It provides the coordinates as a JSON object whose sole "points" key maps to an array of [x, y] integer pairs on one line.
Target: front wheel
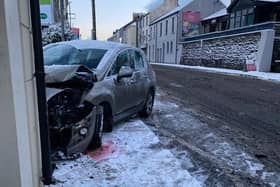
{"points": [[148, 108], [96, 141]]}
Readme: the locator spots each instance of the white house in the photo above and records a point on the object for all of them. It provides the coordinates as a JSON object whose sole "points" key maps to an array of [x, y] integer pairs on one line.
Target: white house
{"points": [[167, 30]]}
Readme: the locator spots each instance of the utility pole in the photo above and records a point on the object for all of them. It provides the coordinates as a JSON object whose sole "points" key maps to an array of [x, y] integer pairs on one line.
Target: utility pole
{"points": [[93, 32], [62, 20]]}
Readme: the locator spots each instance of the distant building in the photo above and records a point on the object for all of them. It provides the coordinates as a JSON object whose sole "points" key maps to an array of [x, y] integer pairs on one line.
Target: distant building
{"points": [[143, 32], [126, 34]]}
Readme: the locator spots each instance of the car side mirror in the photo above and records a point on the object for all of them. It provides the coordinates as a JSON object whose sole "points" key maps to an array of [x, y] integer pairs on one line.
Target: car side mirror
{"points": [[125, 71]]}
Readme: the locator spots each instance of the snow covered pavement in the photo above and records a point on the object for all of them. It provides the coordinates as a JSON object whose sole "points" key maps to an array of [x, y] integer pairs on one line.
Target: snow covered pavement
{"points": [[131, 156]]}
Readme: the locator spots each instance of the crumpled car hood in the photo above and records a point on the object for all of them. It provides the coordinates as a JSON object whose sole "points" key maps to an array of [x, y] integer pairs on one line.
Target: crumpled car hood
{"points": [[63, 73]]}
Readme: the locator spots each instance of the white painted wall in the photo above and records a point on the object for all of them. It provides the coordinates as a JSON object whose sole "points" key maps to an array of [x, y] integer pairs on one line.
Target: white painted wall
{"points": [[19, 137], [163, 41], [265, 51]]}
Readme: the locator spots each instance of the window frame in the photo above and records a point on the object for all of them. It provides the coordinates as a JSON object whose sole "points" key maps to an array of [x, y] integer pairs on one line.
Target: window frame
{"points": [[109, 73]]}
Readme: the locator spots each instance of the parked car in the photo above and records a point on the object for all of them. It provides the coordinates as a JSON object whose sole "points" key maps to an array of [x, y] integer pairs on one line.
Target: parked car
{"points": [[91, 85]]}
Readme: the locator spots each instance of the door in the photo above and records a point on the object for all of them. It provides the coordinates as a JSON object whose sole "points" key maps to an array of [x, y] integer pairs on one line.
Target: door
{"points": [[139, 77], [122, 87]]}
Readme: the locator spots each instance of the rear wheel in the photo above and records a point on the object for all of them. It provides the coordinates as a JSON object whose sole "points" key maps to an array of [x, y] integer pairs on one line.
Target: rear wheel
{"points": [[96, 141], [148, 108]]}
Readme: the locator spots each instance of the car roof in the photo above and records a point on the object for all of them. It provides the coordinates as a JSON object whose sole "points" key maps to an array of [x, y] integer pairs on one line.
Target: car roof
{"points": [[87, 44]]}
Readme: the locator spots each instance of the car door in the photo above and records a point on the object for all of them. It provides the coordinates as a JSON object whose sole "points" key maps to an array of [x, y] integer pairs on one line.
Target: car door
{"points": [[122, 87], [139, 77]]}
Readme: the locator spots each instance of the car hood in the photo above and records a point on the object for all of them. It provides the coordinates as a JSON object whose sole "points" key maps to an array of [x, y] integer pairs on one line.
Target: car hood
{"points": [[63, 73]]}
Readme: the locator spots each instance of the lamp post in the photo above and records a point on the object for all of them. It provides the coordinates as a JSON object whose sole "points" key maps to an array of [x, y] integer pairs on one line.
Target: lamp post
{"points": [[93, 34]]}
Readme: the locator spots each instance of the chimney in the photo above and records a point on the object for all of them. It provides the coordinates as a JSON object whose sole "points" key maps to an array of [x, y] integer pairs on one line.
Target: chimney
{"points": [[171, 3]]}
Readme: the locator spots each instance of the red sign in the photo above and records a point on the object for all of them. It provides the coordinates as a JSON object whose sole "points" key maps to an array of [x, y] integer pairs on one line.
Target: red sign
{"points": [[76, 31]]}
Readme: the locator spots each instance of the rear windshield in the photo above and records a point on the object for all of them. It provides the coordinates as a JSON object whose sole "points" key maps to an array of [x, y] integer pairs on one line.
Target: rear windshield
{"points": [[69, 55]]}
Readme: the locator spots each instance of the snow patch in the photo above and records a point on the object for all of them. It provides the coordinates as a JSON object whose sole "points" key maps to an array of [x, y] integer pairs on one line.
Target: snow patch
{"points": [[138, 163]]}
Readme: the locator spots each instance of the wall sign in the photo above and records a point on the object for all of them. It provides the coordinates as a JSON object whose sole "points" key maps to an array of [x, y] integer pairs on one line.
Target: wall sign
{"points": [[46, 12], [191, 22]]}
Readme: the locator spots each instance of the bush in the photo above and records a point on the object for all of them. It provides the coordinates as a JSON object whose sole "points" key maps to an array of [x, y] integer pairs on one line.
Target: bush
{"points": [[53, 34]]}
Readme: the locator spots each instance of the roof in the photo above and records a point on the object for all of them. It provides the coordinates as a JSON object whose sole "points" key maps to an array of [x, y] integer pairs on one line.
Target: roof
{"points": [[220, 13], [174, 11], [85, 44]]}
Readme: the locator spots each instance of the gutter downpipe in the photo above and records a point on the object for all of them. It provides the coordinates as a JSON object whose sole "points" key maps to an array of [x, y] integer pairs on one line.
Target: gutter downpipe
{"points": [[47, 168]]}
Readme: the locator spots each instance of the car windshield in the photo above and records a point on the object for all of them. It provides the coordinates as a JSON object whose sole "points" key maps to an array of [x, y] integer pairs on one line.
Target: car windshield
{"points": [[68, 55]]}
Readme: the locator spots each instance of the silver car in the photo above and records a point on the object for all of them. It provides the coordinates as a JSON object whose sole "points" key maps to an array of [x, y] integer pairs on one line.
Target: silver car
{"points": [[91, 85]]}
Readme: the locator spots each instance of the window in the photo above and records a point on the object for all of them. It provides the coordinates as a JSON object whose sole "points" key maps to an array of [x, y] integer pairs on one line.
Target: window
{"points": [[232, 18], [250, 16], [151, 33], [153, 52], [167, 47], [238, 19], [166, 27], [68, 55], [171, 47], [163, 52], [160, 30], [122, 60], [242, 18], [138, 61], [173, 24]]}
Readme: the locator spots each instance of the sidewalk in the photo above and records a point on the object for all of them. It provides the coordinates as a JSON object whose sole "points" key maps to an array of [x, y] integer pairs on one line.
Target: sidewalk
{"points": [[131, 156], [275, 77]]}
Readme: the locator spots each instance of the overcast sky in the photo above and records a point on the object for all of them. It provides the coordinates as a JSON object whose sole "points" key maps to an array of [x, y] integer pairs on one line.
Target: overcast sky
{"points": [[110, 14]]}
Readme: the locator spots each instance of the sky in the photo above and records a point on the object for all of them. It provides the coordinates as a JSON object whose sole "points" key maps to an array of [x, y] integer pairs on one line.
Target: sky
{"points": [[110, 14]]}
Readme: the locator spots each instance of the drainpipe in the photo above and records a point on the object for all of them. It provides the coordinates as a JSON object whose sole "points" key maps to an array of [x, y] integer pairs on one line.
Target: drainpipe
{"points": [[41, 93]]}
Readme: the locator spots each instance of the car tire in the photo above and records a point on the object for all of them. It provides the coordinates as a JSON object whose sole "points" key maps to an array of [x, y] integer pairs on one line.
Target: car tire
{"points": [[96, 141], [108, 124], [108, 119], [148, 107]]}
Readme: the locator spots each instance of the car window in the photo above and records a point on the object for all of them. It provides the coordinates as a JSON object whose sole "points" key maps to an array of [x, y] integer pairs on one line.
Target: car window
{"points": [[68, 55], [122, 60], [138, 61]]}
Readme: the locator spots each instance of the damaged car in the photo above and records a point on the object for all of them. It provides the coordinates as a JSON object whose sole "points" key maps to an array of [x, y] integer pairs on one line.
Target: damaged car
{"points": [[90, 86]]}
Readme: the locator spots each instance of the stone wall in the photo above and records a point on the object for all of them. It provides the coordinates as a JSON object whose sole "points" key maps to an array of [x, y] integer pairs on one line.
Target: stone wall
{"points": [[231, 52]]}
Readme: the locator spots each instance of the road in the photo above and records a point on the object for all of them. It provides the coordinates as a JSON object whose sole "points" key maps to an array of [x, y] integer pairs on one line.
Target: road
{"points": [[229, 122]]}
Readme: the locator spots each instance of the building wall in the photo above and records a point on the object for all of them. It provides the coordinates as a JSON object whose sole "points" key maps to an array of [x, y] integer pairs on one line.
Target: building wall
{"points": [[164, 40], [233, 52], [130, 35], [19, 130]]}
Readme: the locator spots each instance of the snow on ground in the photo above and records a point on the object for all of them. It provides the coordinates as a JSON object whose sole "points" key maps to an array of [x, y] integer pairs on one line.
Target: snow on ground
{"points": [[259, 75], [186, 124], [131, 156]]}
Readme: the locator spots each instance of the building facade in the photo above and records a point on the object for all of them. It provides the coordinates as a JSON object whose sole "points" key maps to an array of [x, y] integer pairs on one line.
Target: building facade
{"points": [[182, 21], [126, 34], [143, 32]]}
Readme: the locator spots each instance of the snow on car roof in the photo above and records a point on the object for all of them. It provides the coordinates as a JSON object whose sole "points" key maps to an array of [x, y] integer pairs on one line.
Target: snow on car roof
{"points": [[85, 44]]}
